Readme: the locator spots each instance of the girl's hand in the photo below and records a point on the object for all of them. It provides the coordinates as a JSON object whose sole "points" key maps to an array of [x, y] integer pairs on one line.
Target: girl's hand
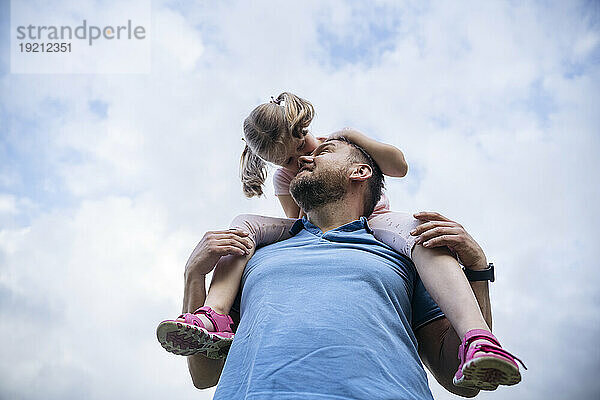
{"points": [[389, 158], [348, 133], [213, 246]]}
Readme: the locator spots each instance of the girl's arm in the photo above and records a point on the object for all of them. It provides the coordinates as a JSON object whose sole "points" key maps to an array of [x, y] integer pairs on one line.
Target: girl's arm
{"points": [[281, 182], [291, 209], [389, 158]]}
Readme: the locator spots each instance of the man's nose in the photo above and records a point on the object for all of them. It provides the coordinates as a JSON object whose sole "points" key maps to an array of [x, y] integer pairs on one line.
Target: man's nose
{"points": [[304, 160]]}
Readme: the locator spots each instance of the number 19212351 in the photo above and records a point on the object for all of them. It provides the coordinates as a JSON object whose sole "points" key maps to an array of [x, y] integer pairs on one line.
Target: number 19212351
{"points": [[45, 47]]}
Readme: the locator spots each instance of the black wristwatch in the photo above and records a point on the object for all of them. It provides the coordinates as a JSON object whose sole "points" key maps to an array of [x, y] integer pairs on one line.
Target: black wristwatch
{"points": [[483, 275]]}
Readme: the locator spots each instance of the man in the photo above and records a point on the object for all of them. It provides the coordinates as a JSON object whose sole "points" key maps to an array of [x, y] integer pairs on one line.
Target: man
{"points": [[330, 312]]}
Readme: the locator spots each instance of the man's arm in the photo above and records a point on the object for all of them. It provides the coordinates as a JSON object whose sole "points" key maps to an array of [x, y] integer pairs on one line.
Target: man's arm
{"points": [[438, 342], [205, 372]]}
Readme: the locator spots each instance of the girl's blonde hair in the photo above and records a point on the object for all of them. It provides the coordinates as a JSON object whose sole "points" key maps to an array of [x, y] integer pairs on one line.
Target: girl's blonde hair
{"points": [[267, 130]]}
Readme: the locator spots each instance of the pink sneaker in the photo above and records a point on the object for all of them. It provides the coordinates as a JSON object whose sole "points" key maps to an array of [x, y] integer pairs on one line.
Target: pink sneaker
{"points": [[191, 337], [485, 365]]}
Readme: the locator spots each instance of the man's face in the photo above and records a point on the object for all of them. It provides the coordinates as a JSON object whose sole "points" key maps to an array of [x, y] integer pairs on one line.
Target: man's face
{"points": [[323, 176]]}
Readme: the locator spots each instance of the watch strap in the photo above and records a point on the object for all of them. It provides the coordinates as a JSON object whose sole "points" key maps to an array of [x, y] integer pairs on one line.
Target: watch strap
{"points": [[482, 275]]}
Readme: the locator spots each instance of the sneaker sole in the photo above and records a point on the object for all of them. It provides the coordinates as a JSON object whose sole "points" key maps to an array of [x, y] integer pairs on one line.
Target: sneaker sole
{"points": [[471, 385], [186, 340], [486, 373]]}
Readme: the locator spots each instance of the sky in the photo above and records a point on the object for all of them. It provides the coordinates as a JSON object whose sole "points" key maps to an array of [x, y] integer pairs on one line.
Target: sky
{"points": [[108, 181]]}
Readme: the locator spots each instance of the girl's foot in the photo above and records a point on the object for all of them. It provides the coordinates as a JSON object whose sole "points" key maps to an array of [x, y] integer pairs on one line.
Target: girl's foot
{"points": [[484, 364], [203, 332]]}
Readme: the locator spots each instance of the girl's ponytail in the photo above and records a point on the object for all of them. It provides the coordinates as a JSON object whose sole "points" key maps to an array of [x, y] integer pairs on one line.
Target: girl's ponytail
{"points": [[253, 172], [298, 112]]}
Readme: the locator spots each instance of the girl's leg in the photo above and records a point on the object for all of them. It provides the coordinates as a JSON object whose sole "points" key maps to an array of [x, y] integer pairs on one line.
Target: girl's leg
{"points": [[224, 285], [444, 280], [228, 272], [483, 362]]}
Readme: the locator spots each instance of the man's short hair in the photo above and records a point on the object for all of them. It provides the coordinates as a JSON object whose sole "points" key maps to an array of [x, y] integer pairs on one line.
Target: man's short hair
{"points": [[376, 182]]}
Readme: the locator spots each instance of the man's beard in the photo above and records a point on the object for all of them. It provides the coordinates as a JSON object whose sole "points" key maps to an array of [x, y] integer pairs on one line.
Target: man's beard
{"points": [[317, 189]]}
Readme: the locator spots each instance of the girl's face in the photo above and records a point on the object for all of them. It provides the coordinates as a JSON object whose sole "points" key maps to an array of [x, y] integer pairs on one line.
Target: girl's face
{"points": [[299, 147]]}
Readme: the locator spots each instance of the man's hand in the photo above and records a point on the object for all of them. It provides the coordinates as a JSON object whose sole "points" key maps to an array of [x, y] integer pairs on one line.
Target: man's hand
{"points": [[440, 231], [213, 246]]}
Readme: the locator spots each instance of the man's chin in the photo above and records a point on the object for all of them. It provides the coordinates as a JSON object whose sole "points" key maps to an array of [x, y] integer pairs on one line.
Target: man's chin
{"points": [[301, 175], [312, 190]]}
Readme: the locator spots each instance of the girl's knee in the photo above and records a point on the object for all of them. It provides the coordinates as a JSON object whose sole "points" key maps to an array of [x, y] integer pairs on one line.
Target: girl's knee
{"points": [[245, 222]]}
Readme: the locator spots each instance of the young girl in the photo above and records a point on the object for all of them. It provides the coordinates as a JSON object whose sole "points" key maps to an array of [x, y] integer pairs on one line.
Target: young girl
{"points": [[277, 132]]}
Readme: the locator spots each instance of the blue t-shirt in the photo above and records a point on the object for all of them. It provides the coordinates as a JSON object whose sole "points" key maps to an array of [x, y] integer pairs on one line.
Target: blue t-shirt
{"points": [[328, 316]]}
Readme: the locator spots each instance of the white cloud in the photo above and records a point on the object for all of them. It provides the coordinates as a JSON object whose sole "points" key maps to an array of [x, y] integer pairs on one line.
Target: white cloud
{"points": [[176, 39], [8, 205], [493, 104]]}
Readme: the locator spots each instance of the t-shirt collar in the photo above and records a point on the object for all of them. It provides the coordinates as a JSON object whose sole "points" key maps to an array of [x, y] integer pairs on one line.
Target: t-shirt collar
{"points": [[304, 223]]}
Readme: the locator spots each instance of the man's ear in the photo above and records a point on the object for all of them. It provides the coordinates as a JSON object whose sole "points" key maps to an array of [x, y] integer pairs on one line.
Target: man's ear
{"points": [[361, 172]]}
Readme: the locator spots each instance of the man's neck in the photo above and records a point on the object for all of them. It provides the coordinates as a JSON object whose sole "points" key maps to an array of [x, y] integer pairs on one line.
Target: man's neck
{"points": [[335, 214]]}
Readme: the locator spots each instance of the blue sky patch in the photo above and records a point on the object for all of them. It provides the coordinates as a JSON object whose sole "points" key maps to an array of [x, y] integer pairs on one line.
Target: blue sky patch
{"points": [[363, 39], [99, 107]]}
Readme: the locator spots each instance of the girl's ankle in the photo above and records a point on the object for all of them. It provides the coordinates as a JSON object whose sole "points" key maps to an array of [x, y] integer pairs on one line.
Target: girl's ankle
{"points": [[206, 321], [480, 336], [218, 309]]}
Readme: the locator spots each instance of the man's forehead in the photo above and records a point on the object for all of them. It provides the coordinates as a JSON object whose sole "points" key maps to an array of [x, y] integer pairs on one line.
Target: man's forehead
{"points": [[333, 143]]}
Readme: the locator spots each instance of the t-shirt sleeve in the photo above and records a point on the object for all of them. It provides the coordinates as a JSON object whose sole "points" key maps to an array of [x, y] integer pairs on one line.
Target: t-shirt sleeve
{"points": [[281, 181], [424, 308]]}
